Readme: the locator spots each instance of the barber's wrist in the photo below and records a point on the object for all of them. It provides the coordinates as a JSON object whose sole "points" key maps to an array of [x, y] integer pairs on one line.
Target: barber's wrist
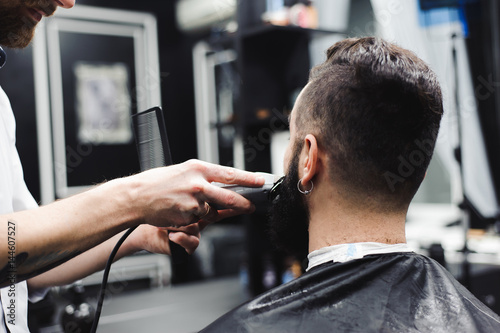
{"points": [[123, 194], [129, 247]]}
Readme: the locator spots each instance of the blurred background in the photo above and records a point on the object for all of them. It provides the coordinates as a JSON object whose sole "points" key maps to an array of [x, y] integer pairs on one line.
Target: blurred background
{"points": [[227, 73]]}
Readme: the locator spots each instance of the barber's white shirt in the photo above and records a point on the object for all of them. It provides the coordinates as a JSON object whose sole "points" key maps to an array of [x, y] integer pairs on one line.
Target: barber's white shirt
{"points": [[347, 252], [14, 196]]}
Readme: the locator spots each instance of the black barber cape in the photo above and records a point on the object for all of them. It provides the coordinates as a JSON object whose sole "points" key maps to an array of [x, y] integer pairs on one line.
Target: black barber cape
{"points": [[397, 292]]}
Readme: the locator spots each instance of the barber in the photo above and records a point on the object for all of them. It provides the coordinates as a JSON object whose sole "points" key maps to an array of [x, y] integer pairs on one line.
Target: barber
{"points": [[67, 240]]}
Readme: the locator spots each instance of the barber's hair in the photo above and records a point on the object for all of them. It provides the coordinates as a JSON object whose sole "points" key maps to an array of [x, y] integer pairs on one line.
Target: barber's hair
{"points": [[375, 109]]}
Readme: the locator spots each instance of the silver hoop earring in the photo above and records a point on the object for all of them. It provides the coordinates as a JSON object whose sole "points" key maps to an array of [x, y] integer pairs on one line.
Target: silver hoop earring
{"points": [[306, 192]]}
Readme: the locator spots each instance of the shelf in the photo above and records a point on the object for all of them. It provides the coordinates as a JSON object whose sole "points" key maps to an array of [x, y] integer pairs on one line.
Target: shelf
{"points": [[265, 29]]}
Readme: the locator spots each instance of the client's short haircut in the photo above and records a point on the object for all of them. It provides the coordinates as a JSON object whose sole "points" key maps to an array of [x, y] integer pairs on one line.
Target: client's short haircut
{"points": [[375, 109]]}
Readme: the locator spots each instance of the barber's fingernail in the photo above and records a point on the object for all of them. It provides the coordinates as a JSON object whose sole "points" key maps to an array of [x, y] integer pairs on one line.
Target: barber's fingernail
{"points": [[260, 179]]}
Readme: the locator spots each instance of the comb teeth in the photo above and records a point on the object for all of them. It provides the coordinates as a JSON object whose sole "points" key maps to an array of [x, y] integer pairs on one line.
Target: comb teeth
{"points": [[149, 142], [151, 139]]}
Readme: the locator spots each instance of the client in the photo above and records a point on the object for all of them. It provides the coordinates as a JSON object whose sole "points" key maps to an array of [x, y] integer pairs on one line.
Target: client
{"points": [[362, 131]]}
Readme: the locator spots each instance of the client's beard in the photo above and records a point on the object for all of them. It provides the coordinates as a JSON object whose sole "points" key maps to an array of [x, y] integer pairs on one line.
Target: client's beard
{"points": [[289, 215]]}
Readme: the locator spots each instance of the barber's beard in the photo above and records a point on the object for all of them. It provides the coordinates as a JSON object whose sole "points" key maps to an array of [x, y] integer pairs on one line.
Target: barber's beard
{"points": [[289, 215], [17, 27]]}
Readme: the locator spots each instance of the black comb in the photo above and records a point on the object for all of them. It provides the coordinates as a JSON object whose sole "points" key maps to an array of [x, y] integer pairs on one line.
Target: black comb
{"points": [[151, 139]]}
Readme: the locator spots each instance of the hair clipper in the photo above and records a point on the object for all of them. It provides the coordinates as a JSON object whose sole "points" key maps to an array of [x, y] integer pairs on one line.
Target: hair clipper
{"points": [[257, 195]]}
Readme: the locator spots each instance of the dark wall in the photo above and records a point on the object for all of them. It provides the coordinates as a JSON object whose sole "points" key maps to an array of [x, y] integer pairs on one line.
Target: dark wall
{"points": [[176, 87]]}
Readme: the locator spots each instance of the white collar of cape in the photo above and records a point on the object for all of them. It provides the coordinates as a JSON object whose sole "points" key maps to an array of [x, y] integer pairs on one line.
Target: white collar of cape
{"points": [[347, 252]]}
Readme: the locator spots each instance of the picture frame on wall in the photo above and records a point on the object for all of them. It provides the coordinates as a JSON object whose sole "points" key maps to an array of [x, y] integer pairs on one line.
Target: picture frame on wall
{"points": [[94, 68]]}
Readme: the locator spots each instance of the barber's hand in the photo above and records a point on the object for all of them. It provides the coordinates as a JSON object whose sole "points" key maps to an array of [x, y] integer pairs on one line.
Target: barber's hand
{"points": [[156, 240], [179, 195]]}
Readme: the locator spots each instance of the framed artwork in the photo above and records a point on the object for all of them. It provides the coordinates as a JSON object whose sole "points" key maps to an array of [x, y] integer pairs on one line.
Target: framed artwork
{"points": [[103, 103]]}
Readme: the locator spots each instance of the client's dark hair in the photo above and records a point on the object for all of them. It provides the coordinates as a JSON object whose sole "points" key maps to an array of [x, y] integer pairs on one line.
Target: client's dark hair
{"points": [[376, 110]]}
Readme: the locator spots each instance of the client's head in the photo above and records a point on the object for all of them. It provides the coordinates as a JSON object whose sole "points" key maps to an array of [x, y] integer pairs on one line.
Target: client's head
{"points": [[371, 114]]}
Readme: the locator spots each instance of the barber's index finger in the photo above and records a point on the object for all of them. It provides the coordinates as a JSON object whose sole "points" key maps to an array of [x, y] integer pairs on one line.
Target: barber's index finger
{"points": [[227, 175]]}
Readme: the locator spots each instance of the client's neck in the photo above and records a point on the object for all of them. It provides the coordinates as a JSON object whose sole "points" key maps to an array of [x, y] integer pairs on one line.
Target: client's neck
{"points": [[334, 221]]}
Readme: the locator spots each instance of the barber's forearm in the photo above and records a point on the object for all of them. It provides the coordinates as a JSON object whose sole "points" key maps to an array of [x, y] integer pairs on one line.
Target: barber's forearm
{"points": [[145, 237], [79, 267], [40, 239]]}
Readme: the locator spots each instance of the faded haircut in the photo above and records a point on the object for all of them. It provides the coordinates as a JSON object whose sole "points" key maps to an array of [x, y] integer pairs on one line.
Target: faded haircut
{"points": [[375, 109]]}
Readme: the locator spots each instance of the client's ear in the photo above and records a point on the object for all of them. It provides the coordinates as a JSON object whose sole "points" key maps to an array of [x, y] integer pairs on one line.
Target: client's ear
{"points": [[309, 158]]}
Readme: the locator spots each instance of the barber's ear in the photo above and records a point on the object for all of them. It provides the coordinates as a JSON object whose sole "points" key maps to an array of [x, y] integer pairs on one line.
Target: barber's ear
{"points": [[310, 158]]}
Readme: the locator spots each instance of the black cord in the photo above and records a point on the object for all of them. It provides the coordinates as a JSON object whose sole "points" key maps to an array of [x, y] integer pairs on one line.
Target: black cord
{"points": [[104, 283]]}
